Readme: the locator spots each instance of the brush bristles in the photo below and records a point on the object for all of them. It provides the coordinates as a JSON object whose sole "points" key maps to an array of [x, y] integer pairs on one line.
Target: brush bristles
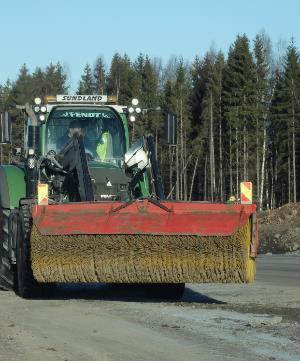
{"points": [[142, 258]]}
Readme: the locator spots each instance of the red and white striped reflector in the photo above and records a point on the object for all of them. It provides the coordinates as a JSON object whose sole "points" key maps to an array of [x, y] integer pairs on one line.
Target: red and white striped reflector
{"points": [[42, 194], [246, 192]]}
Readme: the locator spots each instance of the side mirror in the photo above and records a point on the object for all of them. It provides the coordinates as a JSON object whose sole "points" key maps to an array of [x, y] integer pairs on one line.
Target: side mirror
{"points": [[136, 155], [5, 128], [171, 129]]}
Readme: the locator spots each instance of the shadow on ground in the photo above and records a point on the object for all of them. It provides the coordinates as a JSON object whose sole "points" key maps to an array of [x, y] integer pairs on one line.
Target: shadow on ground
{"points": [[118, 292]]}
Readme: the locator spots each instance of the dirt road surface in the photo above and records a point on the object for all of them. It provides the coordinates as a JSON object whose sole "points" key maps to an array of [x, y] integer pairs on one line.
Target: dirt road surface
{"points": [[260, 321]]}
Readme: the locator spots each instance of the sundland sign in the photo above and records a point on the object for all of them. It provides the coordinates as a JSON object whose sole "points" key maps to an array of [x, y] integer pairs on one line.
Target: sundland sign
{"points": [[82, 98]]}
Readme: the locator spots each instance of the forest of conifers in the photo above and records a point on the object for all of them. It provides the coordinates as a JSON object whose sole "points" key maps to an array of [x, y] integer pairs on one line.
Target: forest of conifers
{"points": [[238, 115]]}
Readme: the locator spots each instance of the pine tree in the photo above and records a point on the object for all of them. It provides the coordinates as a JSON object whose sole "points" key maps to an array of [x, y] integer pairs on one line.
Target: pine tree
{"points": [[168, 105], [5, 105], [148, 94], [56, 79], [5, 97], [211, 122], [122, 79], [239, 112], [262, 93], [182, 93], [285, 119], [22, 92], [100, 76], [277, 132], [86, 84]]}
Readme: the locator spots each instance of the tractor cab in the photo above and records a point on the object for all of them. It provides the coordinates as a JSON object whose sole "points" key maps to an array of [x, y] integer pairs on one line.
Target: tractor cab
{"points": [[101, 129], [101, 126], [94, 118]]}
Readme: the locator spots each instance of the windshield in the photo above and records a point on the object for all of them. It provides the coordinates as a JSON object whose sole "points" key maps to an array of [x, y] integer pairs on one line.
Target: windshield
{"points": [[103, 134]]}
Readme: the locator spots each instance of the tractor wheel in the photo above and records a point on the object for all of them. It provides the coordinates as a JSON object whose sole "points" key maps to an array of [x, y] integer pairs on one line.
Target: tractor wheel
{"points": [[6, 268], [27, 286], [169, 291]]}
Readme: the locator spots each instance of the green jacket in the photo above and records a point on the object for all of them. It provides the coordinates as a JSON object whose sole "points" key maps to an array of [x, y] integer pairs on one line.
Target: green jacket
{"points": [[104, 148]]}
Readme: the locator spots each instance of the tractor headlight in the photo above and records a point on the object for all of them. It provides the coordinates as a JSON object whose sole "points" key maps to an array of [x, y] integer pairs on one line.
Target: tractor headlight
{"points": [[132, 118], [134, 102], [36, 108], [131, 110], [37, 101], [43, 108], [138, 110], [42, 117]]}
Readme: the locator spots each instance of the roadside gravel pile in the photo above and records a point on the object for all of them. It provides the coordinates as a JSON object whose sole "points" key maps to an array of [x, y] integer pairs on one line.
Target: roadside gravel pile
{"points": [[279, 229]]}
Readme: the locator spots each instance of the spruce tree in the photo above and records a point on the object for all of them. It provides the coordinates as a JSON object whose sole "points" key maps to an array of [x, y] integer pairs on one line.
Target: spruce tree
{"points": [[122, 79], [278, 134], [100, 77], [262, 95], [285, 118], [86, 84], [5, 105], [239, 112], [56, 79]]}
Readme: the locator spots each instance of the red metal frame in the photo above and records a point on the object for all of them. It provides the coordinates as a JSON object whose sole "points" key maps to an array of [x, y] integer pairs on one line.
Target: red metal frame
{"points": [[141, 217]]}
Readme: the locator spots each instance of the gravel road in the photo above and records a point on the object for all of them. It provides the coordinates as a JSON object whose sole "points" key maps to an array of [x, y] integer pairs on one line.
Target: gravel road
{"points": [[260, 321]]}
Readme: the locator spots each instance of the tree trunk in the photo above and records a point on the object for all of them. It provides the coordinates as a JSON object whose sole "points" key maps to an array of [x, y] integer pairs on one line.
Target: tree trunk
{"points": [[263, 169], [211, 152], [237, 162], [257, 164], [133, 133], [276, 176], [272, 205], [266, 191], [221, 161], [230, 162], [185, 184], [171, 157], [177, 173], [205, 174], [181, 149], [244, 151], [289, 170], [294, 158], [220, 141], [193, 178]]}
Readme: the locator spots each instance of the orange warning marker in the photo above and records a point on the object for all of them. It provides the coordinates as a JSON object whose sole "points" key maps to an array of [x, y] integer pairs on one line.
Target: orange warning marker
{"points": [[42, 194], [246, 192]]}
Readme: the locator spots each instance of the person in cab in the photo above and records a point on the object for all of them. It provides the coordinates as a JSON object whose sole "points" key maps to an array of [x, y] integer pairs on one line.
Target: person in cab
{"points": [[104, 147], [74, 128]]}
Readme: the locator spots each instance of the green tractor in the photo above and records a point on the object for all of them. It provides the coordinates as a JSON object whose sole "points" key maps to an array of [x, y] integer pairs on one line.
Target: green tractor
{"points": [[79, 204]]}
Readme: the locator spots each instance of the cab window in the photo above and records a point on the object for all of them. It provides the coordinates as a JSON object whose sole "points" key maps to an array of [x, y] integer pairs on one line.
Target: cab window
{"points": [[102, 130]]}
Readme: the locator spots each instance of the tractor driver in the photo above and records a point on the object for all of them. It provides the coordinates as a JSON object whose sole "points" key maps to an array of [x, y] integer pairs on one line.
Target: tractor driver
{"points": [[74, 128]]}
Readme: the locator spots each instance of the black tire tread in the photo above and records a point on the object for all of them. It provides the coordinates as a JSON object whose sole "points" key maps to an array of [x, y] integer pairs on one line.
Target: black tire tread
{"points": [[6, 268], [28, 287]]}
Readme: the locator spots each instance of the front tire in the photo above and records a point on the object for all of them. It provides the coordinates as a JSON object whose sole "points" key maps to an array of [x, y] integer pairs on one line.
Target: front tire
{"points": [[6, 268], [27, 286]]}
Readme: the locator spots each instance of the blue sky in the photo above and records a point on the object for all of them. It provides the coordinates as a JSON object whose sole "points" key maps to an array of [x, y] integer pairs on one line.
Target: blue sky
{"points": [[77, 32]]}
